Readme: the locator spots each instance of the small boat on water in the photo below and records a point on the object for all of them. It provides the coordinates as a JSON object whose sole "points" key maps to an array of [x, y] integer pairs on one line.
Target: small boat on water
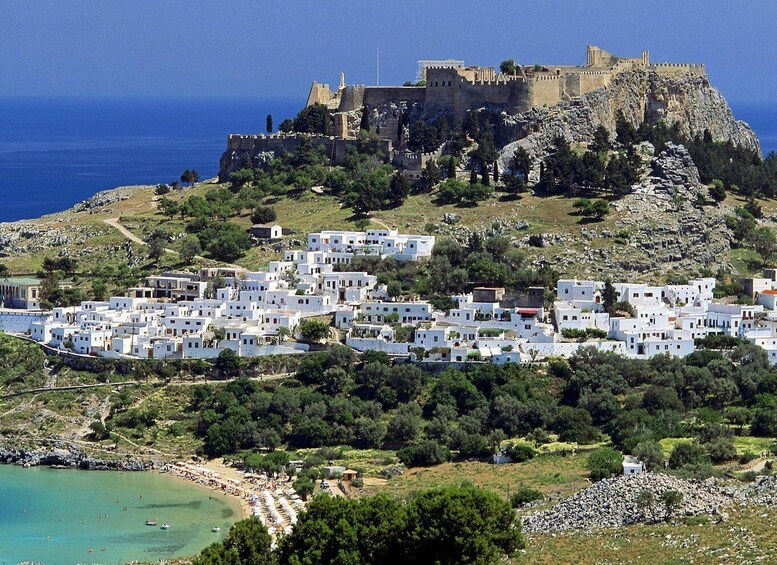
{"points": [[165, 526], [215, 529], [150, 522]]}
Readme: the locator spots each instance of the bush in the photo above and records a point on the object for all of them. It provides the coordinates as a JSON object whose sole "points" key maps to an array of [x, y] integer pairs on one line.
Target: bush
{"points": [[428, 452], [720, 449], [604, 462], [263, 215], [520, 452], [525, 495], [687, 453], [314, 330], [746, 457]]}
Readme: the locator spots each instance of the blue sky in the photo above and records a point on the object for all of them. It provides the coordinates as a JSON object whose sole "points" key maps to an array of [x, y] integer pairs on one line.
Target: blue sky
{"points": [[268, 48]]}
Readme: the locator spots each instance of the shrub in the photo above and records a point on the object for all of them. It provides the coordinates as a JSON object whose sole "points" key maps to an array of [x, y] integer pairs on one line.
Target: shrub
{"points": [[525, 495], [428, 452], [604, 462], [520, 452], [687, 454], [263, 215]]}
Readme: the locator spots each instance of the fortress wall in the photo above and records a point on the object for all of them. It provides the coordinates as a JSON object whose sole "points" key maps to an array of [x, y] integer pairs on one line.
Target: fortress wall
{"points": [[319, 94], [377, 95], [668, 69], [577, 84], [545, 90], [351, 98], [253, 145]]}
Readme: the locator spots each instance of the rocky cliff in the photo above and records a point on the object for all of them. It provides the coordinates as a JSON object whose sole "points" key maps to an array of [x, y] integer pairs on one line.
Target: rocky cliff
{"points": [[688, 100]]}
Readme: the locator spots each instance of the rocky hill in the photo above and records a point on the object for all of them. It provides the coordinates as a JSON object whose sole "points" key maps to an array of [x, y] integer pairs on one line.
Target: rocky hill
{"points": [[688, 100]]}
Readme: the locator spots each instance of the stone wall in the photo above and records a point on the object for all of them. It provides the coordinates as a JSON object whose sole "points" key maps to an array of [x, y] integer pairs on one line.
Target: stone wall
{"points": [[376, 95], [255, 145]]}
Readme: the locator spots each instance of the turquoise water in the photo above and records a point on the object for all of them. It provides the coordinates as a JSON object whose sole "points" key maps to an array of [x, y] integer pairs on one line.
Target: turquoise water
{"points": [[83, 510]]}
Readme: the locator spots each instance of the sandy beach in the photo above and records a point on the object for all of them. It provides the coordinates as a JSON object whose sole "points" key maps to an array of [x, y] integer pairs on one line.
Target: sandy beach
{"points": [[272, 500]]}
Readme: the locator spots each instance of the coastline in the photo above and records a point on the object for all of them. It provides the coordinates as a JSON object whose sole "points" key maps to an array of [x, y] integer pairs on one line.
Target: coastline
{"points": [[239, 504], [273, 500]]}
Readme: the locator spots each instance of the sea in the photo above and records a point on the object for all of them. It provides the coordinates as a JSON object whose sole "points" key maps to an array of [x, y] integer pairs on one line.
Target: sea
{"points": [[55, 152], [68, 516]]}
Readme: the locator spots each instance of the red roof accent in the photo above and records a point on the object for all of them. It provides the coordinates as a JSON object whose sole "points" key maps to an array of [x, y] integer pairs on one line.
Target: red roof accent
{"points": [[528, 310], [769, 292]]}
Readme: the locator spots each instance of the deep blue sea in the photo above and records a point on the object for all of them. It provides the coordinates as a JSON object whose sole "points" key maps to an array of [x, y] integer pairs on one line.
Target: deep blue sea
{"points": [[55, 152]]}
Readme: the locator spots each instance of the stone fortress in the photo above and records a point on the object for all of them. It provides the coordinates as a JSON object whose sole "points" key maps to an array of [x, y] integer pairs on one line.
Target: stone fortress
{"points": [[452, 87], [449, 87]]}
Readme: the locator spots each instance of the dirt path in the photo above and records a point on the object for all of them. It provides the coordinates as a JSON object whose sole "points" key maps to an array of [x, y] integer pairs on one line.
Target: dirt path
{"points": [[114, 222], [381, 224]]}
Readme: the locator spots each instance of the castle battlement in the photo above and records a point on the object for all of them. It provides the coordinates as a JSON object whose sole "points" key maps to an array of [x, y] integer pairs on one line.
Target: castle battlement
{"points": [[451, 86]]}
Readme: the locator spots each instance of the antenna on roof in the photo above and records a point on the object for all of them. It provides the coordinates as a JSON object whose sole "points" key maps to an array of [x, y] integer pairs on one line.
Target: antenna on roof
{"points": [[377, 64]]}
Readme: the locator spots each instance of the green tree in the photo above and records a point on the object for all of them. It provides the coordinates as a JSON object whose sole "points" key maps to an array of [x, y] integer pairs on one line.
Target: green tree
{"points": [[524, 495], [4, 272], [263, 215], [168, 207], [334, 381], [248, 543], [601, 140], [671, 500], [430, 175], [461, 525], [399, 189], [268, 123], [609, 297], [508, 67], [226, 241], [189, 248], [451, 167], [313, 119], [50, 265], [314, 330], [651, 454], [228, 363], [717, 190], [156, 247], [241, 177], [190, 177], [521, 163], [687, 453], [99, 289], [604, 462], [764, 243], [645, 501]]}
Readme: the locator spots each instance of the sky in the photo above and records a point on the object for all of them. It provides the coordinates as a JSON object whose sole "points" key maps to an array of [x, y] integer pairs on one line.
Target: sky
{"points": [[277, 48]]}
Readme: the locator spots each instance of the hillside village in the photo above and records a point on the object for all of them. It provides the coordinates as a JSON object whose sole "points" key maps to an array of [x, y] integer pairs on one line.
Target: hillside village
{"points": [[179, 315]]}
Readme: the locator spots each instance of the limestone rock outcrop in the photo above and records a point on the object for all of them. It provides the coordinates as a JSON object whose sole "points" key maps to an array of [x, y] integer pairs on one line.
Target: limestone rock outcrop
{"points": [[687, 99]]}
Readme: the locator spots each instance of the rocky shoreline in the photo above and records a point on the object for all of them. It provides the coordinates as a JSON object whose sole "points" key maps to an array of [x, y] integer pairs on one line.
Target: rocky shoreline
{"points": [[68, 458]]}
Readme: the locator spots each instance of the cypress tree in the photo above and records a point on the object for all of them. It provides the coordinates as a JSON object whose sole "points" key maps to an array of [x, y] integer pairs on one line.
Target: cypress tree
{"points": [[484, 174], [451, 172], [496, 172], [473, 177], [269, 123], [365, 123]]}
